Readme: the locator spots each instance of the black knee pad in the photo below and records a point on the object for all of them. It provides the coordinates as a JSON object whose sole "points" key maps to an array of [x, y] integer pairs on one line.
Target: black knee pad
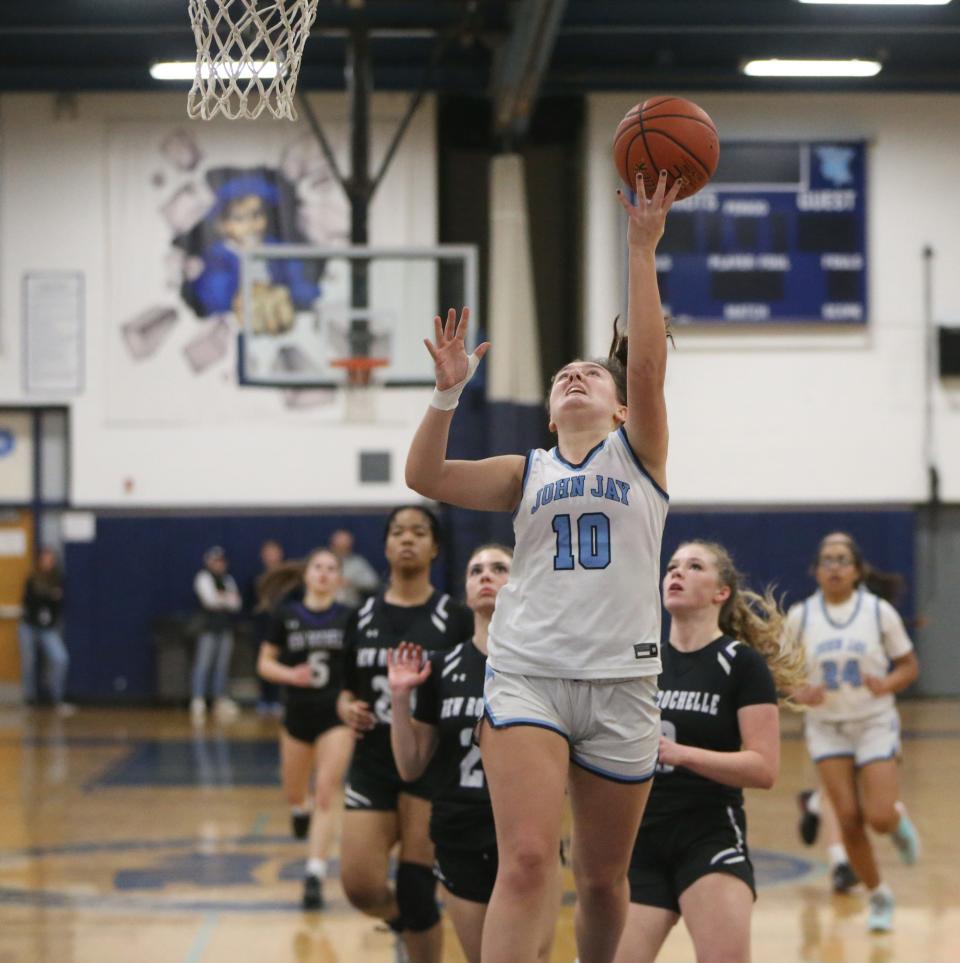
{"points": [[416, 897]]}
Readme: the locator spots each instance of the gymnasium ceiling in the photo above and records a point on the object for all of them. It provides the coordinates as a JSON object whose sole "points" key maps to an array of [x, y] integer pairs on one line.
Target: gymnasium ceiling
{"points": [[69, 45]]}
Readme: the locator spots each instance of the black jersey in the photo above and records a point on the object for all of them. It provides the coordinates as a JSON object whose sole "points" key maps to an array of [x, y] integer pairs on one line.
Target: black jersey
{"points": [[306, 635], [451, 699], [439, 624], [700, 693]]}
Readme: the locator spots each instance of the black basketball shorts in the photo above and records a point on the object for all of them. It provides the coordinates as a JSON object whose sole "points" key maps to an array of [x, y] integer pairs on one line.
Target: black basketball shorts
{"points": [[373, 783], [307, 721], [670, 856], [467, 874]]}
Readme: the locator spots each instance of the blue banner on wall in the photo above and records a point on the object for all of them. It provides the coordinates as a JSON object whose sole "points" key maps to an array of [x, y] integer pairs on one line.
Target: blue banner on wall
{"points": [[779, 237]]}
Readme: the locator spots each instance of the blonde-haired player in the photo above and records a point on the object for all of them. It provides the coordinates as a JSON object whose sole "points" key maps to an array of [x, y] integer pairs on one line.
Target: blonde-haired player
{"points": [[722, 667]]}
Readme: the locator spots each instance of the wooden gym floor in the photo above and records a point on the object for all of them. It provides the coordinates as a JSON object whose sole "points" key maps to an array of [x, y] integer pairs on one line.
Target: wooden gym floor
{"points": [[125, 836]]}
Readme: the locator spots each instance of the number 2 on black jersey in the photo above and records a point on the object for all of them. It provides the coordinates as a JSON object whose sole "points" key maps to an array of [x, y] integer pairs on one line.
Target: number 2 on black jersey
{"points": [[471, 775], [382, 708]]}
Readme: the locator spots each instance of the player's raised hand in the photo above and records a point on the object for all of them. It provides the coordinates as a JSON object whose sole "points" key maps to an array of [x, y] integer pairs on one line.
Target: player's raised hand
{"points": [[407, 668], [648, 216], [449, 350]]}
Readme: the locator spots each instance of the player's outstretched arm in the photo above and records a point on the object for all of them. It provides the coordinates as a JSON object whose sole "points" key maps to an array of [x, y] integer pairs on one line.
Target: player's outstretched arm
{"points": [[755, 766], [413, 742], [647, 345], [490, 484]]}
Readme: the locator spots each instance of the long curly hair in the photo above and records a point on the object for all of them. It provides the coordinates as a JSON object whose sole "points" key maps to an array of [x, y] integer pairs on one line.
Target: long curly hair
{"points": [[887, 585], [274, 586], [758, 620]]}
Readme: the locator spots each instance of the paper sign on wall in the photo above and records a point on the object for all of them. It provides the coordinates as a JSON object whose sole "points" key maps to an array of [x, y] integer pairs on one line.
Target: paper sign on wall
{"points": [[78, 526], [53, 332], [13, 543]]}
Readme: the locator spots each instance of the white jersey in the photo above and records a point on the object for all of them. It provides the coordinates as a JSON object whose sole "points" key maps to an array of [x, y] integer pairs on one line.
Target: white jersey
{"points": [[583, 600], [843, 643]]}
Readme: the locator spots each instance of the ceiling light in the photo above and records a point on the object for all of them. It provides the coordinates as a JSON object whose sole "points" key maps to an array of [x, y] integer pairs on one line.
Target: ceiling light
{"points": [[811, 68], [187, 70], [885, 3]]}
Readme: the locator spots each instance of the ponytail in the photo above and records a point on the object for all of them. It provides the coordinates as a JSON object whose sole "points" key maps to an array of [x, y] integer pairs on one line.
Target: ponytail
{"points": [[618, 346], [274, 586], [886, 585], [758, 621], [616, 360]]}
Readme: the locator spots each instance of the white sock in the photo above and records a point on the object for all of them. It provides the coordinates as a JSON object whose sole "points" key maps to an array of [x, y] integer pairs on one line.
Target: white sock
{"points": [[302, 809], [837, 854], [881, 888], [317, 867], [813, 803]]}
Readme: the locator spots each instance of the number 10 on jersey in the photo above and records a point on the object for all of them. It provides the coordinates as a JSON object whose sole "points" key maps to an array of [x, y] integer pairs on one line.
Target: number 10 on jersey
{"points": [[593, 541]]}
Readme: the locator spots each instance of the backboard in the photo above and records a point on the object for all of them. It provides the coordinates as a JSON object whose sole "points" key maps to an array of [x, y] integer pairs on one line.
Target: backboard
{"points": [[307, 312]]}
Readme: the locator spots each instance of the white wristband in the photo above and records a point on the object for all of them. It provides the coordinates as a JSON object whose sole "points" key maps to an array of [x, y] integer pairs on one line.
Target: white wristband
{"points": [[449, 398]]}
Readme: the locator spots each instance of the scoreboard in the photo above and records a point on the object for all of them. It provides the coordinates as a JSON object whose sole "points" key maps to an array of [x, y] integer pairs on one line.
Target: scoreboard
{"points": [[778, 236]]}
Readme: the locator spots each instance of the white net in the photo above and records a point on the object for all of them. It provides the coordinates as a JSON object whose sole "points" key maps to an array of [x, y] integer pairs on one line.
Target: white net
{"points": [[248, 56]]}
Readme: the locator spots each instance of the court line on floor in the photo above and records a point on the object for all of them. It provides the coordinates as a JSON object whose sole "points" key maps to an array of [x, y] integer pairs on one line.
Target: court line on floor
{"points": [[202, 939], [774, 869], [905, 734], [95, 742]]}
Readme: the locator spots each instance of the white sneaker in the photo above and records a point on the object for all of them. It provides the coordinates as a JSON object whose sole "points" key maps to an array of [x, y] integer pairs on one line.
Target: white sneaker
{"points": [[66, 709], [226, 709], [880, 916], [906, 838], [198, 711]]}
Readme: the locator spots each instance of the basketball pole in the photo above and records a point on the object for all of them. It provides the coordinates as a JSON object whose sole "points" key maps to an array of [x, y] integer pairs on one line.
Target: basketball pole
{"points": [[357, 185], [929, 369], [928, 543], [518, 79]]}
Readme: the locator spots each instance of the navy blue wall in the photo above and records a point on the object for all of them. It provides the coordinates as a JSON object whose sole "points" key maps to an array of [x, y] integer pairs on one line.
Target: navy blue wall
{"points": [[780, 546], [142, 566]]}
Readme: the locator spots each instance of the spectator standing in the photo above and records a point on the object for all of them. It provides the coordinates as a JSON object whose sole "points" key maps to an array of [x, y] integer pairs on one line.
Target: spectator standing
{"points": [[359, 577], [219, 598], [39, 628]]}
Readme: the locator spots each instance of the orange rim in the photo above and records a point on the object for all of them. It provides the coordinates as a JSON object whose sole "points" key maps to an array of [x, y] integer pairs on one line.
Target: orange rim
{"points": [[360, 364]]}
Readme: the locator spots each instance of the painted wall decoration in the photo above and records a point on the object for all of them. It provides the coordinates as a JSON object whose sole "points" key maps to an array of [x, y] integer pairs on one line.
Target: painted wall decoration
{"points": [[184, 202]]}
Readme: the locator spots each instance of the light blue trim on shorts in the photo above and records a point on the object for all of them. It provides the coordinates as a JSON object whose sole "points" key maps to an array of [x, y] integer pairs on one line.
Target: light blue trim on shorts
{"points": [[835, 755], [887, 758], [613, 776], [519, 721]]}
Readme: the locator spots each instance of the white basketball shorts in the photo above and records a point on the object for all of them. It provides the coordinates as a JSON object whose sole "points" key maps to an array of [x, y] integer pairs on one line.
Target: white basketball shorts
{"points": [[612, 726], [867, 740]]}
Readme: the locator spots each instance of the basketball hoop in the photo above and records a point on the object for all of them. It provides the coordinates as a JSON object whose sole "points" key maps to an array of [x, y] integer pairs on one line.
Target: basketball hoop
{"points": [[248, 56], [360, 407], [359, 370]]}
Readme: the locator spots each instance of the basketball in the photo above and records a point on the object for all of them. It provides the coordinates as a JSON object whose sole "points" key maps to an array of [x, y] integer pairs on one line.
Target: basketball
{"points": [[671, 134]]}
